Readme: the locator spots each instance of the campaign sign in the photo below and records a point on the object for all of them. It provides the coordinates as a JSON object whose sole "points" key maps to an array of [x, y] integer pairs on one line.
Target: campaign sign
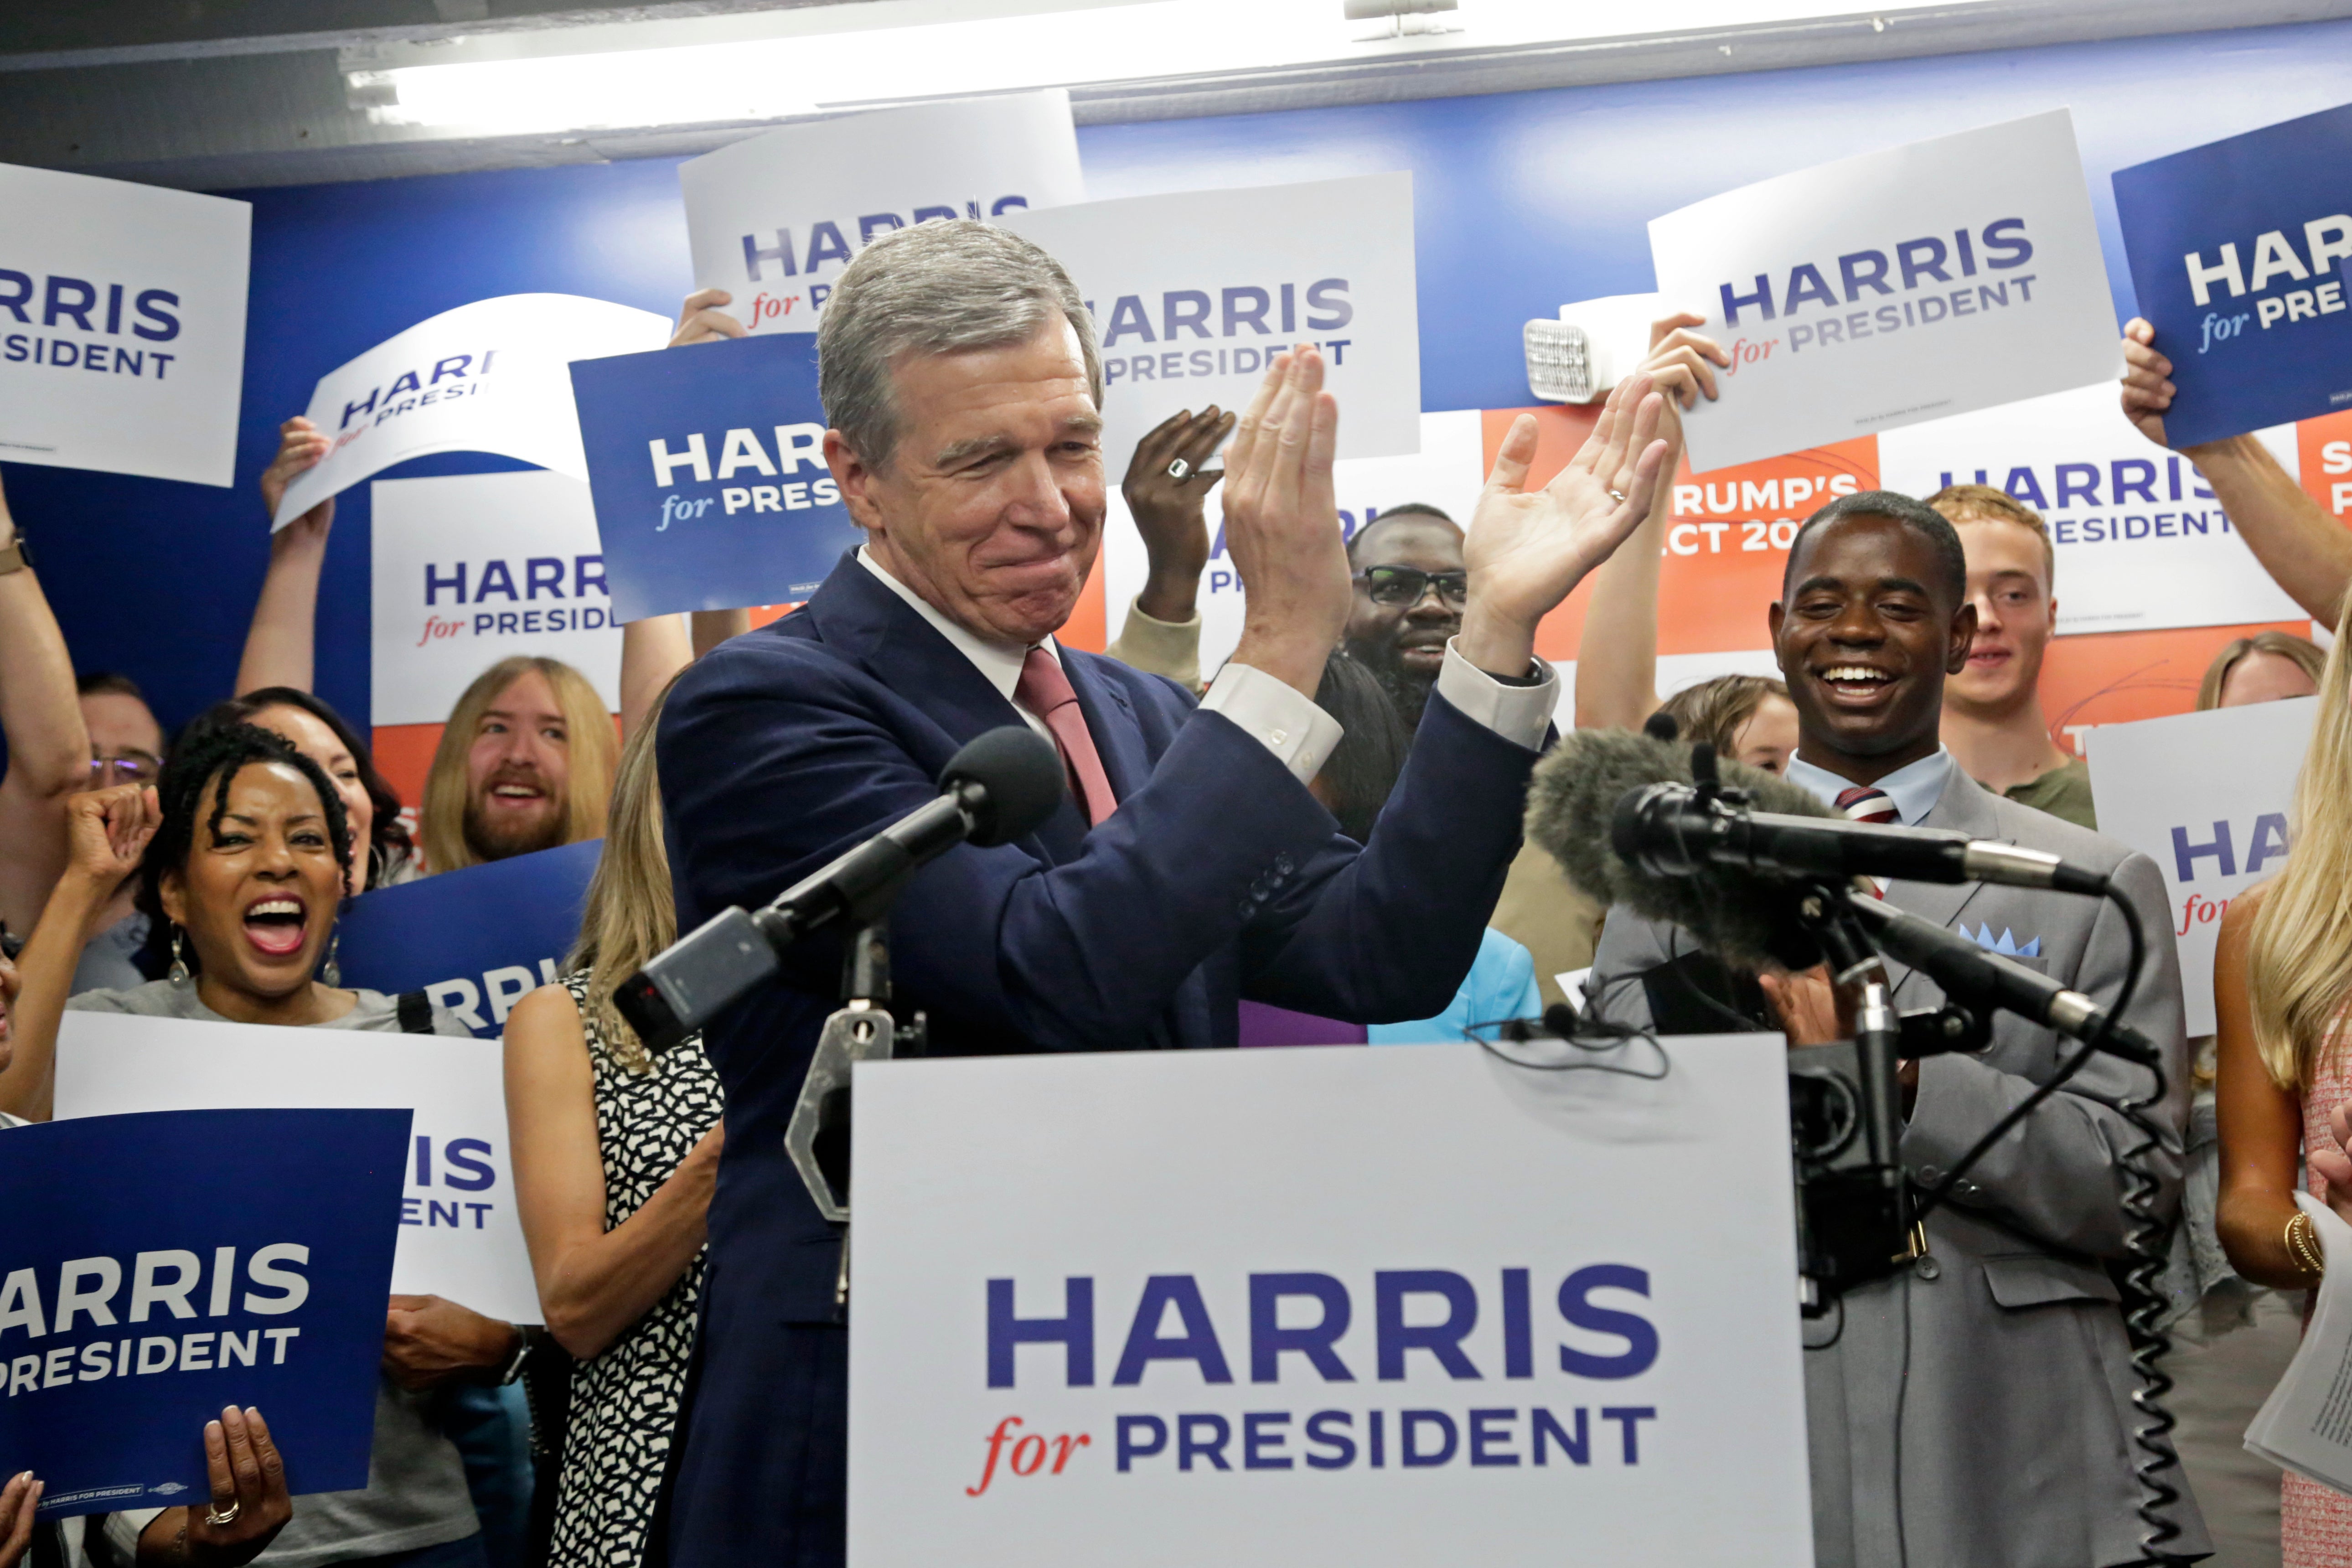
{"points": [[179, 1262], [1290, 1306], [773, 219], [122, 325], [2139, 540], [477, 939], [2207, 796], [2235, 250], [459, 1236], [708, 465], [1880, 290], [485, 377], [472, 568]]}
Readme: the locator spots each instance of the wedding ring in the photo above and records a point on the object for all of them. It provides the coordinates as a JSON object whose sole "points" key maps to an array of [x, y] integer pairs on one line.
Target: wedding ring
{"points": [[1179, 470], [214, 1516], [1617, 496]]}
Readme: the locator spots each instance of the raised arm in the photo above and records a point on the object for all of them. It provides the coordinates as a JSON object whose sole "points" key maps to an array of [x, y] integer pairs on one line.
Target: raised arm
{"points": [[48, 749], [1617, 655], [1161, 633], [594, 1283], [2306, 552], [280, 643]]}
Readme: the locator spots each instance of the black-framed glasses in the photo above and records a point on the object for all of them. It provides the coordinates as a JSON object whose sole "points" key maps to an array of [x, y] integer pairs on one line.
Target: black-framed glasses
{"points": [[136, 768], [1406, 585]]}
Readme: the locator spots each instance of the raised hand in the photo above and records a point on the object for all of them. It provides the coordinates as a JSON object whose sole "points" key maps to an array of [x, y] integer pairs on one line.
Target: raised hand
{"points": [[1528, 549], [2147, 381], [1282, 524], [107, 831], [1168, 511], [699, 320], [301, 444]]}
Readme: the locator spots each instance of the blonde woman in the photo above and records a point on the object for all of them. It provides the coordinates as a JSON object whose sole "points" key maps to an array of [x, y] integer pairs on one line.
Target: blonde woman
{"points": [[2282, 976], [614, 1158]]}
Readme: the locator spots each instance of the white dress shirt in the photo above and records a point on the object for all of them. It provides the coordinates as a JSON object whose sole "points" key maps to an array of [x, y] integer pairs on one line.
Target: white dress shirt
{"points": [[1276, 714], [1915, 787]]}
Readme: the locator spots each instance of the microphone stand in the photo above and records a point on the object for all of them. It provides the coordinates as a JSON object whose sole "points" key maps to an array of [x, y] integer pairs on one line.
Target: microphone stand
{"points": [[863, 1029]]}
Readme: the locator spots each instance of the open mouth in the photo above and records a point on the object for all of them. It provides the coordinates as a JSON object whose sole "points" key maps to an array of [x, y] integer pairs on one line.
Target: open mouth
{"points": [[276, 924], [1856, 684], [517, 795]]}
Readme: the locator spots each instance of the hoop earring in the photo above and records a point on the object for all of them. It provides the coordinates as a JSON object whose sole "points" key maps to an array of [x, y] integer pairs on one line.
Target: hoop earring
{"points": [[331, 972], [179, 972]]}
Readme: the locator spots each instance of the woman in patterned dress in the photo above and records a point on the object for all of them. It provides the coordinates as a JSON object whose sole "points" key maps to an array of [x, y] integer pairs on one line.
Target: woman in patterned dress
{"points": [[614, 1157], [2282, 979]]}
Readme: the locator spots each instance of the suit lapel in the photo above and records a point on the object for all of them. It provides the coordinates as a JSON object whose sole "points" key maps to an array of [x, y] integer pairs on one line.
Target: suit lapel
{"points": [[1963, 807]]}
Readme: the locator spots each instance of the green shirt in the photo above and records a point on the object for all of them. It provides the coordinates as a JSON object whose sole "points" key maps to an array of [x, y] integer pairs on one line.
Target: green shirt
{"points": [[2065, 793]]}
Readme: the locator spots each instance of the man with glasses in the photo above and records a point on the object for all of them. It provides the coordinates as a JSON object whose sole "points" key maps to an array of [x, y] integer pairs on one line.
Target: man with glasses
{"points": [[1411, 585]]}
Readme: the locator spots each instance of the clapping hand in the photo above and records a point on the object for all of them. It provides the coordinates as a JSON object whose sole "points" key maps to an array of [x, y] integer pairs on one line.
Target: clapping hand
{"points": [[699, 320], [1282, 524], [1528, 549], [301, 446]]}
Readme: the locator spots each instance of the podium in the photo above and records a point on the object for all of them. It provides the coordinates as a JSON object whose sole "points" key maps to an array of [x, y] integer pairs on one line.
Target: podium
{"points": [[1402, 1306]]}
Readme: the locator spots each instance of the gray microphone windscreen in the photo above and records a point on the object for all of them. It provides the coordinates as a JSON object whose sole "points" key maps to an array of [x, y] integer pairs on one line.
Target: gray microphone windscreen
{"points": [[1740, 917], [1023, 775]]}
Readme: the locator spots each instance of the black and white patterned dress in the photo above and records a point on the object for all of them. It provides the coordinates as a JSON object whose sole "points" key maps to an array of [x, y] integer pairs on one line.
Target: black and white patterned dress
{"points": [[625, 1402]]}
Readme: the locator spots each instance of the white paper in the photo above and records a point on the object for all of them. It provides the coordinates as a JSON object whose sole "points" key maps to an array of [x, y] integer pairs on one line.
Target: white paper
{"points": [[2306, 1424], [471, 568], [2024, 326], [490, 376], [121, 326], [2209, 798], [2137, 546], [459, 1234], [816, 192], [1216, 1166]]}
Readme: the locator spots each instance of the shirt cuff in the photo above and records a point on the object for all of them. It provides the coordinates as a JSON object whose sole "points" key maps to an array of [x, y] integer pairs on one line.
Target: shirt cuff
{"points": [[1276, 715], [1171, 648], [1520, 714]]}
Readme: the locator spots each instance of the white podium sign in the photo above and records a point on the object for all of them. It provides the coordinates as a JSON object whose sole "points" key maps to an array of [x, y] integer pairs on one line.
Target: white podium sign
{"points": [[460, 1235], [1406, 1306], [2209, 798]]}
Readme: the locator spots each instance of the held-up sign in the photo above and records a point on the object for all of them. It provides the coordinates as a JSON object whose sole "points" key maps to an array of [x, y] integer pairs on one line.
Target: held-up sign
{"points": [[485, 377], [459, 1236], [1880, 290], [708, 465], [773, 219], [2235, 249], [2207, 797], [121, 326], [477, 939], [470, 568], [2140, 541], [179, 1262], [1076, 1338]]}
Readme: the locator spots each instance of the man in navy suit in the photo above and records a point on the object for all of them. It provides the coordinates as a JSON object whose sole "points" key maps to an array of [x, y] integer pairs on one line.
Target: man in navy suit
{"points": [[1188, 868]]}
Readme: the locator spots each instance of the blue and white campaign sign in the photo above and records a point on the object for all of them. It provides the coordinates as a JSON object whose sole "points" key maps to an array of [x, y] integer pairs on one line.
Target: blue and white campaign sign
{"points": [[1290, 1306], [472, 568], [773, 219], [485, 377], [477, 939], [179, 1262], [2236, 250], [122, 325], [1877, 291], [708, 465], [2140, 541], [459, 1236], [2209, 798]]}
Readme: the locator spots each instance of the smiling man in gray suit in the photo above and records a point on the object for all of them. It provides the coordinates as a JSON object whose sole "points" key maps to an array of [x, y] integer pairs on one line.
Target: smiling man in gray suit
{"points": [[1974, 1409]]}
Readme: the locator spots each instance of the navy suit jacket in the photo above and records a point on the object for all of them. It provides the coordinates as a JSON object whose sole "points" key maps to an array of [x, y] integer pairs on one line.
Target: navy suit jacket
{"points": [[1218, 878]]}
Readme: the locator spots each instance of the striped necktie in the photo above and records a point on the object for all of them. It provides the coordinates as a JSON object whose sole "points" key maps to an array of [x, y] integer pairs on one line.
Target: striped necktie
{"points": [[1863, 804]]}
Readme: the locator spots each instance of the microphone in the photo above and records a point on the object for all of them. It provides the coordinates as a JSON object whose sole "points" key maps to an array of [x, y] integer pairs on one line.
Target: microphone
{"points": [[999, 787], [1670, 831], [1986, 980]]}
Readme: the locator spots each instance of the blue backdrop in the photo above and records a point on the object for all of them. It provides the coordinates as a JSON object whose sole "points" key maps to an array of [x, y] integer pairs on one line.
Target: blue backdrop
{"points": [[1523, 200]]}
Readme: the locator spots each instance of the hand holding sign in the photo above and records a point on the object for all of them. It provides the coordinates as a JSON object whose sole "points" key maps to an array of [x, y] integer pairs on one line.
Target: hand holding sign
{"points": [[2147, 381], [1526, 549], [1282, 522], [701, 320], [248, 1496]]}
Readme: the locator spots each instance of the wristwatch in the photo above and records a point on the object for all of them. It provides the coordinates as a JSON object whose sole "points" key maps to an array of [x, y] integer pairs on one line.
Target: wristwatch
{"points": [[527, 1338], [16, 557]]}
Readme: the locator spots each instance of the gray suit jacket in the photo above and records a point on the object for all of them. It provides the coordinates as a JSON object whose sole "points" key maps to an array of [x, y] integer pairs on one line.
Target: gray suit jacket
{"points": [[1997, 1367]]}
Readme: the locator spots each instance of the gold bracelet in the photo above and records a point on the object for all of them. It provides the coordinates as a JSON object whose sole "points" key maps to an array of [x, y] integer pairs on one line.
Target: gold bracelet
{"points": [[2302, 1246]]}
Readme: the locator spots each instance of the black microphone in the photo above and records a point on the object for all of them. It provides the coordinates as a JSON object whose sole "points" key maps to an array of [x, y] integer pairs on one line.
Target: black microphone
{"points": [[999, 787], [1986, 980]]}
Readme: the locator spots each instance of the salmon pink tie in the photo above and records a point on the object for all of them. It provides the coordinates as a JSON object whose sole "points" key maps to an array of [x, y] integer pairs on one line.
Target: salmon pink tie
{"points": [[1046, 691]]}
